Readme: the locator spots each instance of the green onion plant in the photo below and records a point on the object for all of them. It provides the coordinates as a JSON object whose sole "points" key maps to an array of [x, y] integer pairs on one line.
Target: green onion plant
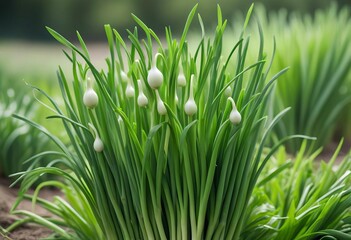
{"points": [[18, 141], [301, 199], [165, 143], [317, 86]]}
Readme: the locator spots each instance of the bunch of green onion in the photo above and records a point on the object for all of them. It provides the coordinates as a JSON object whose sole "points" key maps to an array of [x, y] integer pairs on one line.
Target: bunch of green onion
{"points": [[165, 144]]}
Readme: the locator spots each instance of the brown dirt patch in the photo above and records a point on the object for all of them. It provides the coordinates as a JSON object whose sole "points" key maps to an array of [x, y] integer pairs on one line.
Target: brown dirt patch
{"points": [[27, 231]]}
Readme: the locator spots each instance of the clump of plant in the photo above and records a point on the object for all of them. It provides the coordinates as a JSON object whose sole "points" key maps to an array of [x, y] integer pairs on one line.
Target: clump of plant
{"points": [[18, 141], [319, 56], [163, 146], [301, 199], [317, 85]]}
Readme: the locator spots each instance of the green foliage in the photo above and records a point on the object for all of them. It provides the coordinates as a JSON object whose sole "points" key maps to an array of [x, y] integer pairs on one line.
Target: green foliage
{"points": [[18, 141], [319, 55], [317, 85], [300, 200], [165, 170], [183, 166]]}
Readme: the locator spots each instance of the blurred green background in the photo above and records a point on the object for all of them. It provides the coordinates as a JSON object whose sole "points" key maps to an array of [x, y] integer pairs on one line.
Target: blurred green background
{"points": [[26, 19], [29, 53]]}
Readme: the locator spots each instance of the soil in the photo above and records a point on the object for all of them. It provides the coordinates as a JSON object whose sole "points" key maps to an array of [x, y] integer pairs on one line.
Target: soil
{"points": [[26, 231], [330, 149]]}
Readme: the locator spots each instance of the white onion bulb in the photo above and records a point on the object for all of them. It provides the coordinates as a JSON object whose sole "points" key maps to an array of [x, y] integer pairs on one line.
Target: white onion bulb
{"points": [[161, 108], [142, 99], [176, 98], [155, 76], [90, 98], [228, 91], [181, 81], [124, 77], [130, 90], [235, 116], [190, 107], [98, 145]]}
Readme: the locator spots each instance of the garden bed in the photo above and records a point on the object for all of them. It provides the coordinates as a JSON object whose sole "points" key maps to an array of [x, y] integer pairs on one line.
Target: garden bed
{"points": [[27, 231]]}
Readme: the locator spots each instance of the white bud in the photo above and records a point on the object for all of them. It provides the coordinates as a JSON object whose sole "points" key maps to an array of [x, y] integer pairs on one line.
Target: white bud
{"points": [[235, 116], [228, 91], [190, 107], [181, 80], [98, 145], [90, 98], [161, 108], [124, 76], [142, 99], [130, 90], [176, 98], [155, 76]]}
